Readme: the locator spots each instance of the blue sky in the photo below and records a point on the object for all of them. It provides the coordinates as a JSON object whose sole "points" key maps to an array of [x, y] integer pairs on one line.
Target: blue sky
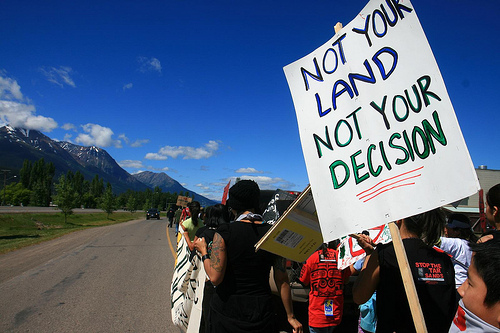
{"points": [[196, 89]]}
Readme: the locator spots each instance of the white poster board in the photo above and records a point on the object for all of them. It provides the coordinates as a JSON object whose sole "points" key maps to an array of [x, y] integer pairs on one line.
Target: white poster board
{"points": [[379, 134], [349, 250], [186, 290]]}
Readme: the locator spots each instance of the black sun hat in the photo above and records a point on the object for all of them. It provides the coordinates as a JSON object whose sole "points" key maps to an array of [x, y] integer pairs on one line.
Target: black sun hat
{"points": [[244, 195], [458, 221]]}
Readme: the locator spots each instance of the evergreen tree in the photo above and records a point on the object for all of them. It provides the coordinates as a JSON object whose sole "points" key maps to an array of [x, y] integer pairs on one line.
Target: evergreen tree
{"points": [[25, 173], [97, 187], [41, 176], [78, 187], [92, 192], [156, 198]]}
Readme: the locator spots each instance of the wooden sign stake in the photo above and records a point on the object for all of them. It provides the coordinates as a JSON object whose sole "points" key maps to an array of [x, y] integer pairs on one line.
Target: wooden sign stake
{"points": [[409, 284], [337, 27]]}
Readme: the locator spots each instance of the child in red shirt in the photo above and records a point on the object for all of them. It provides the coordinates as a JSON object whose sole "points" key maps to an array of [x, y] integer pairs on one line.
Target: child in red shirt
{"points": [[326, 296]]}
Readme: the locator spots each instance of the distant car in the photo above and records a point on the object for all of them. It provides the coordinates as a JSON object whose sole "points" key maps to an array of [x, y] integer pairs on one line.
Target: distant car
{"points": [[153, 214]]}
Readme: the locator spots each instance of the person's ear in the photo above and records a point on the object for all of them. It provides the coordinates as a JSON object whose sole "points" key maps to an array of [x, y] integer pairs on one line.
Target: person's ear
{"points": [[498, 318], [495, 211]]}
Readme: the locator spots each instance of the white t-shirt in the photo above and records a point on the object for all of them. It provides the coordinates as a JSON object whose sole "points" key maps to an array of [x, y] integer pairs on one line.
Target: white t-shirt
{"points": [[466, 321], [459, 249]]}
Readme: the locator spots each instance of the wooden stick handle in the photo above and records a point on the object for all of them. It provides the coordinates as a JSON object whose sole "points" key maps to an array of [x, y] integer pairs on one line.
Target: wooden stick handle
{"points": [[409, 284], [337, 27]]}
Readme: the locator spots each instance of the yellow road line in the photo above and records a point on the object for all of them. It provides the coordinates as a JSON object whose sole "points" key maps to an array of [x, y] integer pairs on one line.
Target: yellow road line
{"points": [[174, 254]]}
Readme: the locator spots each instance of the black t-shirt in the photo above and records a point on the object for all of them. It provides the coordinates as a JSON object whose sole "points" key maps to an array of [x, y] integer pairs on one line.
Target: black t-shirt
{"points": [[207, 233], [494, 233], [247, 271], [434, 278]]}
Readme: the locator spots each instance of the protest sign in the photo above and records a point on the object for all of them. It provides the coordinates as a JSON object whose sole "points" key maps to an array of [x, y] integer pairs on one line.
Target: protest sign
{"points": [[378, 131], [226, 191], [349, 250], [183, 201], [296, 234], [278, 204], [186, 290]]}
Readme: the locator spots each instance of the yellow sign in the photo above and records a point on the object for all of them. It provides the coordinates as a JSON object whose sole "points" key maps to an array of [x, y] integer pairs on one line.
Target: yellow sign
{"points": [[296, 234]]}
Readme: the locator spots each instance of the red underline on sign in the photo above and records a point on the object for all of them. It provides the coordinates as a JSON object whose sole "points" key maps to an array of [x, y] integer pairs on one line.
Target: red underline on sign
{"points": [[376, 190]]}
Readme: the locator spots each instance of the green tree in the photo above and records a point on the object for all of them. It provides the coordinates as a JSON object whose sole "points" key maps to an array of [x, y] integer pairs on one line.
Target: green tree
{"points": [[16, 194], [91, 192], [65, 198], [97, 187], [78, 183], [131, 203], [88, 200], [156, 198], [146, 205], [122, 199], [108, 200], [25, 173], [40, 183]]}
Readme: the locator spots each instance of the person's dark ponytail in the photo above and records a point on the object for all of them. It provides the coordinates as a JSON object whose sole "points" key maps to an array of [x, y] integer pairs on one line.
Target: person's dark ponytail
{"points": [[427, 226], [194, 209]]}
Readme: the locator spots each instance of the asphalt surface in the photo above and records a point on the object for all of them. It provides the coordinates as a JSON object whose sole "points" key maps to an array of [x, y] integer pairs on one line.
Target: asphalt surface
{"points": [[109, 279]]}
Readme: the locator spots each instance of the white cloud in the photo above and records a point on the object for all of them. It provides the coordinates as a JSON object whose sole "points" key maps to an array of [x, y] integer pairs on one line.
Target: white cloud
{"points": [[40, 122], [203, 187], [159, 169], [67, 137], [17, 112], [127, 86], [60, 76], [69, 126], [155, 156], [149, 64], [10, 89], [136, 143], [248, 170], [208, 150], [139, 143], [266, 183], [131, 164], [97, 135], [124, 138]]}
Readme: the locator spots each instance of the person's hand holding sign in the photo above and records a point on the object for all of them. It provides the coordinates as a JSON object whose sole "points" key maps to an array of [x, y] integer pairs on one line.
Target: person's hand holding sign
{"points": [[365, 242]]}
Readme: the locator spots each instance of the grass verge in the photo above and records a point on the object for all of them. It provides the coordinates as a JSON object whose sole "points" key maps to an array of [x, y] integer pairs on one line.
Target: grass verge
{"points": [[18, 230]]}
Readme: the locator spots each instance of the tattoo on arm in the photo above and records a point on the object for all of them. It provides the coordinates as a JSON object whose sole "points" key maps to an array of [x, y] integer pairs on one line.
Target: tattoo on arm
{"points": [[279, 264], [217, 249]]}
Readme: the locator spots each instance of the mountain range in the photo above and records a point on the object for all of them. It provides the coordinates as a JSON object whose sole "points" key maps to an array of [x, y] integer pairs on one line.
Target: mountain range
{"points": [[18, 144]]}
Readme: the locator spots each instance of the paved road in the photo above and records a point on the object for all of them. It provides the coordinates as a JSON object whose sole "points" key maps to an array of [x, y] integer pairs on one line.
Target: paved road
{"points": [[109, 279]]}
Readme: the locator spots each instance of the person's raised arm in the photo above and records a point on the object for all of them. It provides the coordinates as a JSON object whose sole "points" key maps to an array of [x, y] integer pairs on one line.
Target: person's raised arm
{"points": [[188, 239], [215, 264], [283, 286], [367, 280]]}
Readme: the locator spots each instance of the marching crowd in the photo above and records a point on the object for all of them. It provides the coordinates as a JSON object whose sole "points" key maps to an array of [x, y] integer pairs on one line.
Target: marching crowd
{"points": [[456, 275]]}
